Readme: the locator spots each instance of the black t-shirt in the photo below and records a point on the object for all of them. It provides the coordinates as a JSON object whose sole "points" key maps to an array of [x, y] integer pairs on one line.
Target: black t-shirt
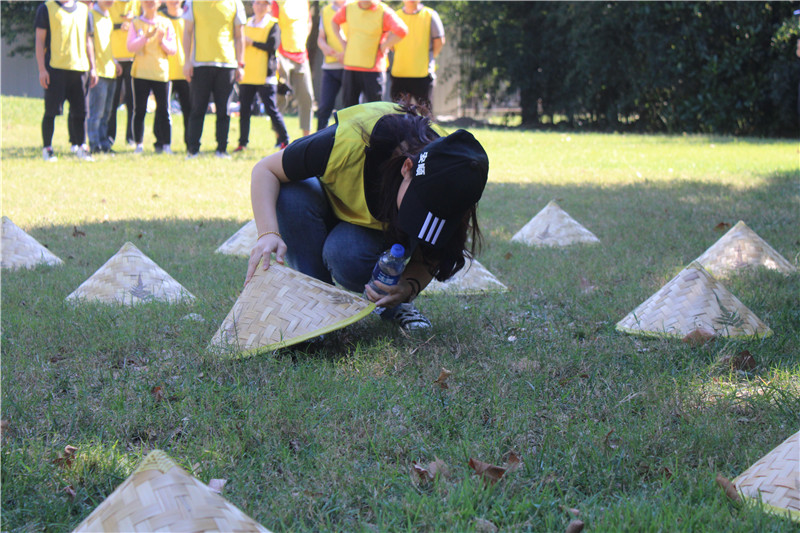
{"points": [[308, 157]]}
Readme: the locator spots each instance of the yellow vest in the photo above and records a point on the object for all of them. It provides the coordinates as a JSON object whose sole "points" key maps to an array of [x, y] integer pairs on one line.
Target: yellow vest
{"points": [[364, 36], [68, 37], [343, 179], [411, 55], [151, 62], [178, 59], [333, 41], [103, 57], [213, 31], [119, 38], [255, 60], [293, 22]]}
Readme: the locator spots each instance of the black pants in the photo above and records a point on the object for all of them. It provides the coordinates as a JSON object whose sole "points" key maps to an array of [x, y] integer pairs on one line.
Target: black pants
{"points": [[206, 80], [180, 88], [162, 125], [420, 88], [355, 82], [123, 91], [69, 85], [247, 94], [331, 83]]}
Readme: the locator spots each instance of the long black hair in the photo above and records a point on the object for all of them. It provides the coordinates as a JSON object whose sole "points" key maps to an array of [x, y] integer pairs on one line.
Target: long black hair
{"points": [[405, 136]]}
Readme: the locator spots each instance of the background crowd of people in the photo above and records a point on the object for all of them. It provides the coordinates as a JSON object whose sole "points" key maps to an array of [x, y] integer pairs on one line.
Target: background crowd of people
{"points": [[99, 55]]}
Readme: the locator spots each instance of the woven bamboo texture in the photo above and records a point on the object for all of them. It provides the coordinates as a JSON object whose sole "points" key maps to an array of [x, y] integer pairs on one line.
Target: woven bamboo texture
{"points": [[740, 248], [161, 496], [130, 278], [20, 250], [241, 242], [693, 300], [552, 226], [280, 307], [474, 278], [775, 479]]}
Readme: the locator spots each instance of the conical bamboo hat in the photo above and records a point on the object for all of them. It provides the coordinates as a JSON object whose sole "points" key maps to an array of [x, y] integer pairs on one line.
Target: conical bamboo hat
{"points": [[552, 226], [739, 248], [20, 250], [775, 479], [474, 278], [693, 300], [161, 496], [241, 242], [129, 278], [280, 307]]}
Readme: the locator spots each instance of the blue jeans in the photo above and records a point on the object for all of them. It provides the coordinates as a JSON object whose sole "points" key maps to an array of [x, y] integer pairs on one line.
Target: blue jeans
{"points": [[319, 244], [101, 104]]}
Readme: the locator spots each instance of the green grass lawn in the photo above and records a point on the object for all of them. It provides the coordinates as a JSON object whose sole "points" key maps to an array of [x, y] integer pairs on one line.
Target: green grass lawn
{"points": [[630, 432]]}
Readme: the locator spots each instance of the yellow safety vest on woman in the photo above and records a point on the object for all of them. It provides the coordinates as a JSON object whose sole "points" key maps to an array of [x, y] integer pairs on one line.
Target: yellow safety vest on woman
{"points": [[213, 32], [103, 56], [412, 54], [327, 16], [293, 22], [178, 59], [255, 60], [151, 61], [364, 35], [119, 38], [68, 36]]}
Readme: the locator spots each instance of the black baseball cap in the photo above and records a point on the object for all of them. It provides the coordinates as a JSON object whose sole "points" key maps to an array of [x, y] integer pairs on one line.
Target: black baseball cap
{"points": [[448, 178]]}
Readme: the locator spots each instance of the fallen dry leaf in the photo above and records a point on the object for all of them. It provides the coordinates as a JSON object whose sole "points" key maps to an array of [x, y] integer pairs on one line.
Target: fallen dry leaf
{"points": [[729, 488], [743, 360], [158, 393], [484, 526], [217, 485], [441, 381], [77, 233], [512, 460], [489, 473], [575, 526], [70, 490], [723, 226], [611, 443], [699, 337], [508, 256], [426, 474], [570, 510], [65, 458]]}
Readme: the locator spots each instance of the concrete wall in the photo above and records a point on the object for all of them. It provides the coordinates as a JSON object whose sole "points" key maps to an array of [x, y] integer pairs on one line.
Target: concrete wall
{"points": [[18, 75]]}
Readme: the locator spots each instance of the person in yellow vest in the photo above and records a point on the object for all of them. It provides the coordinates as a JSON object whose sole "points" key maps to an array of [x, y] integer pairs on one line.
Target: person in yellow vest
{"points": [[262, 37], [179, 85], [294, 19], [213, 43], [65, 58], [332, 67], [122, 14], [414, 64], [152, 40], [101, 96], [331, 202], [373, 28]]}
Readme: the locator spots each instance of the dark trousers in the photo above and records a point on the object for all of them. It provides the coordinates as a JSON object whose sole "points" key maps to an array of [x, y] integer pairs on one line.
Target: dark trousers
{"points": [[420, 88], [206, 80], [247, 94], [69, 85], [331, 83], [355, 82], [123, 91], [180, 88], [162, 125]]}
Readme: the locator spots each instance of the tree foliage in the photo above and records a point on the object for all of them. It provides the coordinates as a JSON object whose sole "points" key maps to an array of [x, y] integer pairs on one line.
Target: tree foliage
{"points": [[16, 25], [713, 67]]}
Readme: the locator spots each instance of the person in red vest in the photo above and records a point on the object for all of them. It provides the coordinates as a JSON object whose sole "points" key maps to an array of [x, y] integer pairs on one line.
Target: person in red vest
{"points": [[414, 64], [372, 29]]}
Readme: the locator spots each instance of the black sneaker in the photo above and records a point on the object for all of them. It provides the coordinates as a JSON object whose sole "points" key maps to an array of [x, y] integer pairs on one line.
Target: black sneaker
{"points": [[409, 318]]}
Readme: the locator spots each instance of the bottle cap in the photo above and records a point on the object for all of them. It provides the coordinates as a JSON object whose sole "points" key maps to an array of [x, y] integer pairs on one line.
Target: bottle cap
{"points": [[398, 250]]}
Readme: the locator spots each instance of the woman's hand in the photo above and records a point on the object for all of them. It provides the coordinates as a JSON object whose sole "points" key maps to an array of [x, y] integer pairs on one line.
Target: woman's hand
{"points": [[265, 246], [395, 294]]}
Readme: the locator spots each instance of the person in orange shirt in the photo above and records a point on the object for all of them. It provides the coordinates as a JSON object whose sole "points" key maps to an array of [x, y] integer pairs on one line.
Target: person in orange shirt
{"points": [[372, 29]]}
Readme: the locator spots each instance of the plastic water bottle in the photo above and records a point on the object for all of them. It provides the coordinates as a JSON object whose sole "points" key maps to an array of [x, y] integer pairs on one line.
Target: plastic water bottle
{"points": [[388, 269]]}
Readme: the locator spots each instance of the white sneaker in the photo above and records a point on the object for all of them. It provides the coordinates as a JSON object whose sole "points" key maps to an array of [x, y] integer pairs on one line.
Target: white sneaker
{"points": [[83, 153], [409, 318], [192, 156], [222, 155], [139, 149], [167, 150], [48, 155]]}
